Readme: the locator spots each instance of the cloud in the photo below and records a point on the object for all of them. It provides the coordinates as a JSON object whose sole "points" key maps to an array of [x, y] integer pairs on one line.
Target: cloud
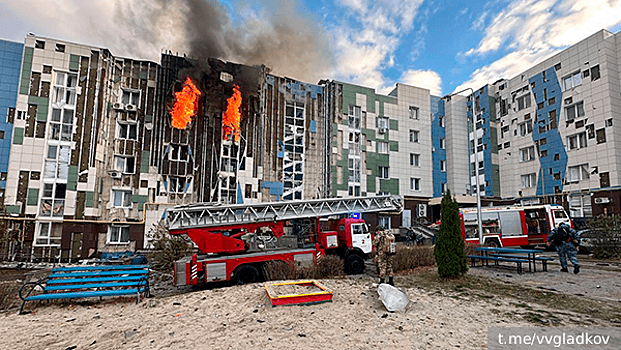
{"points": [[423, 78], [532, 30], [366, 39]]}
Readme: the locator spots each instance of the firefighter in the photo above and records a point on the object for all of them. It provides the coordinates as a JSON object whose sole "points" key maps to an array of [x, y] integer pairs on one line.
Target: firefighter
{"points": [[384, 244], [566, 241]]}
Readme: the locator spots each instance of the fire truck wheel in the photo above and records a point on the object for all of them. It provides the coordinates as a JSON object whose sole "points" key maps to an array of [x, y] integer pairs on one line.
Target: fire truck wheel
{"points": [[492, 243], [354, 264], [246, 274]]}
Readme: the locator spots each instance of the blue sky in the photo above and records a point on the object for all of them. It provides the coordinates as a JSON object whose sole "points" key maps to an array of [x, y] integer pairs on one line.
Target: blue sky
{"points": [[441, 45]]}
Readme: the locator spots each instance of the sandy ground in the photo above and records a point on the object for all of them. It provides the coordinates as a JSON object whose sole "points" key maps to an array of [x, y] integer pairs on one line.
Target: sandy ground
{"points": [[242, 317]]}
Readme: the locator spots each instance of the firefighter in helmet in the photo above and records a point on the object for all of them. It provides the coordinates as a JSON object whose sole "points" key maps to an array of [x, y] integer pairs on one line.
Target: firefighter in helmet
{"points": [[384, 244], [566, 241]]}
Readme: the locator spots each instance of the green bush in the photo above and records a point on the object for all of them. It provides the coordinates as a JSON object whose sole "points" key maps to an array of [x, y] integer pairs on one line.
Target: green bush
{"points": [[450, 249], [167, 248]]}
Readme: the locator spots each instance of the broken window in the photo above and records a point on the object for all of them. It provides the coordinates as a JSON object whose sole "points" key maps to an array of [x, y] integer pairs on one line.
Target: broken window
{"points": [[128, 131], [595, 73], [604, 180], [64, 89], [414, 134], [181, 153], [525, 128], [528, 181], [574, 111], [131, 99], [601, 136], [609, 122], [577, 141], [60, 47], [176, 184], [47, 69], [413, 112], [53, 200], [61, 124], [523, 102], [552, 119], [57, 162], [527, 154], [39, 44], [122, 198], [124, 164], [48, 234], [578, 172]]}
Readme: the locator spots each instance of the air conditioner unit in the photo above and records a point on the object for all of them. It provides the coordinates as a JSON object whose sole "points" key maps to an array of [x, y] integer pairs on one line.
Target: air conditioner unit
{"points": [[382, 130], [115, 174], [130, 107], [601, 200], [117, 105], [422, 210]]}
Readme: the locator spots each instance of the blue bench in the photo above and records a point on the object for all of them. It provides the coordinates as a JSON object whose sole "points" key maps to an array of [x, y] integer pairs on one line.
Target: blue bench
{"points": [[89, 281], [543, 259], [496, 260]]}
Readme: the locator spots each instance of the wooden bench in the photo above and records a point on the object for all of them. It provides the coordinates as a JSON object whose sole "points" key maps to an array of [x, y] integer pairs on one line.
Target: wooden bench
{"points": [[89, 281], [474, 258], [543, 259]]}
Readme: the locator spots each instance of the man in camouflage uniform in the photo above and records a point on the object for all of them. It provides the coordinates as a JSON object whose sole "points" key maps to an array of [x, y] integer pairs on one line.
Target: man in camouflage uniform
{"points": [[566, 241], [384, 244]]}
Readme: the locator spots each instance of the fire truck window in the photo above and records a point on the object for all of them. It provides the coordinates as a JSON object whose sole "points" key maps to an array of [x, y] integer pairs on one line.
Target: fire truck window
{"points": [[559, 214]]}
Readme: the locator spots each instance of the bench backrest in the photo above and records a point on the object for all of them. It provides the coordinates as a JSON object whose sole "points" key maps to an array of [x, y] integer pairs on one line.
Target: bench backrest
{"points": [[98, 276]]}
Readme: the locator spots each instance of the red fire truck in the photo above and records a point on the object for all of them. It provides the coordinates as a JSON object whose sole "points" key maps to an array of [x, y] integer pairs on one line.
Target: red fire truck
{"points": [[512, 226], [236, 240]]}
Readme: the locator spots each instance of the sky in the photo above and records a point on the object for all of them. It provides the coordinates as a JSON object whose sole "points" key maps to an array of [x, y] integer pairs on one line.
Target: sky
{"points": [[444, 46]]}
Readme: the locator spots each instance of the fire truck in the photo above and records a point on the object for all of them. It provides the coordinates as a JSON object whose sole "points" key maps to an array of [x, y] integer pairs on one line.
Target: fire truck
{"points": [[236, 240], [512, 226]]}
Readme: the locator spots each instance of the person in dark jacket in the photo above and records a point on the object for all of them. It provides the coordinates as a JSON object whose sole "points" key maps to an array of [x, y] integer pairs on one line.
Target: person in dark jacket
{"points": [[566, 241]]}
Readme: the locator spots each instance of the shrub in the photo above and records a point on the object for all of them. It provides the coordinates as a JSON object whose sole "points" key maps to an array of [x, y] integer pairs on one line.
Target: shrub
{"points": [[330, 266], [449, 249], [606, 243], [411, 257], [167, 248]]}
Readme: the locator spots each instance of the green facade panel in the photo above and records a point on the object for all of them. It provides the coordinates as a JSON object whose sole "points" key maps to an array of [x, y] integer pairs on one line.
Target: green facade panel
{"points": [[371, 183], [139, 199], [74, 63], [493, 140], [394, 124], [144, 162], [26, 71], [496, 179], [33, 196], [72, 178], [89, 199], [394, 146], [391, 186], [18, 136], [13, 209]]}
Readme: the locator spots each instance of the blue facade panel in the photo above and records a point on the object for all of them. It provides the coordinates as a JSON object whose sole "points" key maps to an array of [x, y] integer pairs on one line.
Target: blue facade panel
{"points": [[484, 108], [438, 155], [545, 132], [10, 66]]}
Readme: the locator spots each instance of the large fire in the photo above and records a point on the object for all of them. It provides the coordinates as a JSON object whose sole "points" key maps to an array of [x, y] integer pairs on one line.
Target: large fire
{"points": [[230, 118], [186, 104]]}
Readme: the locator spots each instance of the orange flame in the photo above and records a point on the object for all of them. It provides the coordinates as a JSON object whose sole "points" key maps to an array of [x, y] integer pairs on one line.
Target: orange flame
{"points": [[230, 118], [186, 104]]}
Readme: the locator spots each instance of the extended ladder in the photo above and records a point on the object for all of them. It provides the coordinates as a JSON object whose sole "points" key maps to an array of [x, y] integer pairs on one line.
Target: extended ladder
{"points": [[209, 215]]}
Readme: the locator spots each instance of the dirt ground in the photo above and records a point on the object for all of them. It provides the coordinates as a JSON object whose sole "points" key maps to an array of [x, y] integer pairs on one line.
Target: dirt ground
{"points": [[442, 314]]}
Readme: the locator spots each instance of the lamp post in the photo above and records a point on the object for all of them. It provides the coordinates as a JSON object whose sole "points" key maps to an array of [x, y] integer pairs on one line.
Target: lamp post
{"points": [[476, 164]]}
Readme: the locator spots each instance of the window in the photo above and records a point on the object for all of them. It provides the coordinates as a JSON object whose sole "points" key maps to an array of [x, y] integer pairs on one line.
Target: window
{"points": [[48, 234], [574, 111], [572, 80], [577, 141], [355, 114], [131, 97], [414, 136], [57, 162], [580, 205], [382, 123], [413, 112], [128, 131], [118, 234], [595, 73], [176, 184], [384, 221], [354, 170], [578, 172], [414, 159], [122, 198], [181, 152], [527, 154], [523, 102], [441, 121], [124, 164], [414, 184], [60, 48], [443, 187], [383, 147], [64, 89], [528, 180], [601, 136], [384, 172], [53, 200], [442, 165], [61, 124], [609, 122], [442, 144], [525, 127], [39, 44]]}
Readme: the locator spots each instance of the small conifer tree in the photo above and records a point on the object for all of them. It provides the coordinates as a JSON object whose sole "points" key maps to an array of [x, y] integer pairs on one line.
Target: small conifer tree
{"points": [[450, 248]]}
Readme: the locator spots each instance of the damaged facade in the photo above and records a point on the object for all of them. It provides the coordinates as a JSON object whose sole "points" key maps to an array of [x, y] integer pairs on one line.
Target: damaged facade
{"points": [[89, 156]]}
